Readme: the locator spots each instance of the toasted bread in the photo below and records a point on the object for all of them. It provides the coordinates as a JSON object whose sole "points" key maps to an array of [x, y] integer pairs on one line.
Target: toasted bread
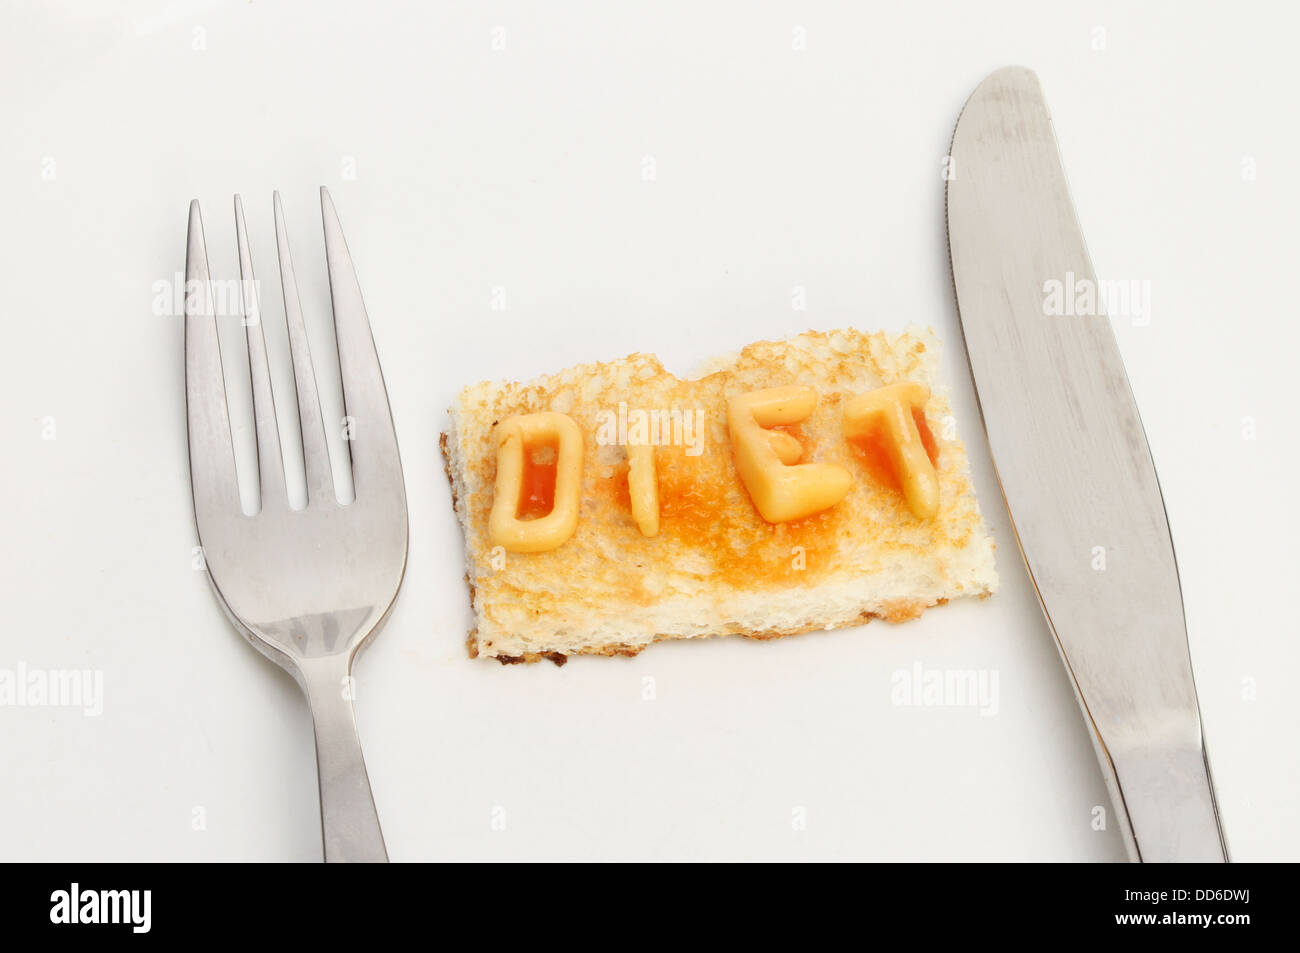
{"points": [[715, 567]]}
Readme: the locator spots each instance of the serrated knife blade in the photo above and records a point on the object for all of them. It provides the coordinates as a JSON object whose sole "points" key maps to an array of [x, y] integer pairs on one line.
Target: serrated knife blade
{"points": [[1075, 469]]}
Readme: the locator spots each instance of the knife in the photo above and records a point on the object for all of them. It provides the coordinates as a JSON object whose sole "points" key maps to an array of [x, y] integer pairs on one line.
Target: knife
{"points": [[1075, 469]]}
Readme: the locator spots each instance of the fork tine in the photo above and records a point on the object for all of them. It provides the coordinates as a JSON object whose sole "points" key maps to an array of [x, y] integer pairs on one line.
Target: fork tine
{"points": [[212, 454], [270, 463], [315, 453], [373, 442]]}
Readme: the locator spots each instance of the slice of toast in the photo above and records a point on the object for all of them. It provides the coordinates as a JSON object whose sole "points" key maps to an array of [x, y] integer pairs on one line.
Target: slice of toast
{"points": [[716, 567]]}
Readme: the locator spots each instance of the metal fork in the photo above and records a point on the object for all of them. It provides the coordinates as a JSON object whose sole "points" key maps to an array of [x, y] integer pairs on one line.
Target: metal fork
{"points": [[306, 587]]}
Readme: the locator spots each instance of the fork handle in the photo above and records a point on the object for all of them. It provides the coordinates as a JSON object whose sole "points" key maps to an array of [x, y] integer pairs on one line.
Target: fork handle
{"points": [[349, 822]]}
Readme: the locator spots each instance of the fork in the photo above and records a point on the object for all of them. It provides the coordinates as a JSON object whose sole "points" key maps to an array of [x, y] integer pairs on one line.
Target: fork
{"points": [[308, 588]]}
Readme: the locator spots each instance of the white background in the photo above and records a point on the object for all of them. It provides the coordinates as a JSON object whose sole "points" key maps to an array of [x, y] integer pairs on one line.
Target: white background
{"points": [[522, 168]]}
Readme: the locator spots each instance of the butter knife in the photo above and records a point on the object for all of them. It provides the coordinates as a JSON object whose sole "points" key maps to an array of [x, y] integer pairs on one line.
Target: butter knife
{"points": [[1075, 469]]}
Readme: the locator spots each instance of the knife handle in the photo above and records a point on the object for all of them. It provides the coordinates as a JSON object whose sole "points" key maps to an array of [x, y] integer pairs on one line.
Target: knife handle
{"points": [[1164, 796]]}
